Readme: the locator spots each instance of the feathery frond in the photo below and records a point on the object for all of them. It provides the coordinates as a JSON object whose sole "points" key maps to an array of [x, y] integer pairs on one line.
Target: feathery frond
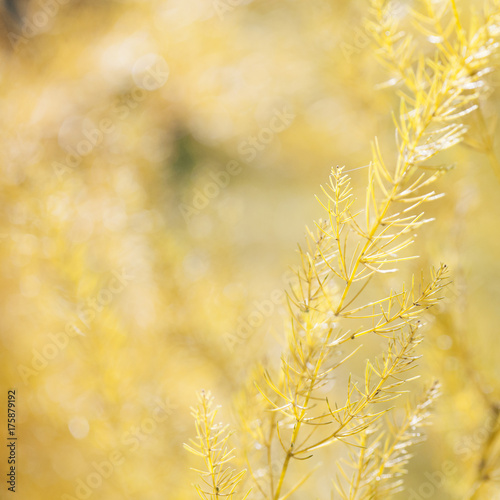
{"points": [[219, 479], [381, 458], [332, 305], [354, 244]]}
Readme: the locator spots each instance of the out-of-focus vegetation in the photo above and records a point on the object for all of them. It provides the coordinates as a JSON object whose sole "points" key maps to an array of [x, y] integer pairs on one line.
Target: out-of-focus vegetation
{"points": [[159, 160]]}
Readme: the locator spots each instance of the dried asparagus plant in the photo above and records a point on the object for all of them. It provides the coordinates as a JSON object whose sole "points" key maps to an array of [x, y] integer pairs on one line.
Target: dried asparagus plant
{"points": [[440, 24], [219, 479], [332, 305], [396, 50], [379, 463]]}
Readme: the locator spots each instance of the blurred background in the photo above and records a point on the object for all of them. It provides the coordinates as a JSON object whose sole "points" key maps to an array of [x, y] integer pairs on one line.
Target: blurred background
{"points": [[159, 161]]}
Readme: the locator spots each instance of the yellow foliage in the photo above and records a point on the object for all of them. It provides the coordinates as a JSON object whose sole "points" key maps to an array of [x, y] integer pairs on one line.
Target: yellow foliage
{"points": [[159, 160]]}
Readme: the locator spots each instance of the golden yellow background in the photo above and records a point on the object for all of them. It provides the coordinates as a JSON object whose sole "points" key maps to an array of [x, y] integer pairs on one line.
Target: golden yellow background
{"points": [[117, 118]]}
